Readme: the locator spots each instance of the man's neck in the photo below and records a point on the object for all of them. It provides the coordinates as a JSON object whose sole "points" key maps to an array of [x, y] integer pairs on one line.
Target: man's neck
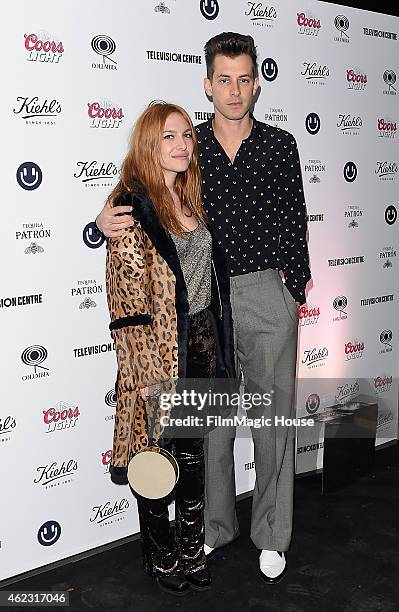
{"points": [[231, 131]]}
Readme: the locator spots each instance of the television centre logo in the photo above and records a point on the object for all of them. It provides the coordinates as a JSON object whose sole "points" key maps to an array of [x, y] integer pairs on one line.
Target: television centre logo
{"points": [[62, 416], [104, 114], [356, 79], [386, 255], [346, 261], [85, 291], [386, 340], [340, 303], [386, 171], [37, 111], [261, 14], [389, 78], [108, 513], [53, 475], [314, 169], [104, 46], [43, 47], [276, 117], [34, 356], [350, 125], [342, 25], [33, 236], [379, 299], [314, 73], [29, 176], [380, 34], [21, 300], [386, 127], [173, 56], [95, 174], [352, 216], [308, 25], [311, 218]]}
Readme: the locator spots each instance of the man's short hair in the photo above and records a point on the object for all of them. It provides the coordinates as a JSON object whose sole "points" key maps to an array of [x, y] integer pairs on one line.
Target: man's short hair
{"points": [[230, 44]]}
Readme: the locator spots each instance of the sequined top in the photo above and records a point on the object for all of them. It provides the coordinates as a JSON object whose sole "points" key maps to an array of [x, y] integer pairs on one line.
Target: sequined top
{"points": [[195, 255]]}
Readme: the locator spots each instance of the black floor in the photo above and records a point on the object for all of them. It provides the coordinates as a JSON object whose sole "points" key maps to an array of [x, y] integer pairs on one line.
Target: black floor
{"points": [[344, 558]]}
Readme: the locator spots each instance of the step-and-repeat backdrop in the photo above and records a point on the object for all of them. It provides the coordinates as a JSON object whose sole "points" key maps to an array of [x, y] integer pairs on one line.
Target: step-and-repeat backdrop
{"points": [[75, 77]]}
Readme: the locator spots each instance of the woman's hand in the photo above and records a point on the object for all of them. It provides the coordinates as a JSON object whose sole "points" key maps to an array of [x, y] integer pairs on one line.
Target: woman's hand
{"points": [[110, 223], [149, 392]]}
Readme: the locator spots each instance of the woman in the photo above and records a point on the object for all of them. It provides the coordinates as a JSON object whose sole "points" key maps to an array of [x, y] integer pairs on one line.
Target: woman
{"points": [[168, 297]]}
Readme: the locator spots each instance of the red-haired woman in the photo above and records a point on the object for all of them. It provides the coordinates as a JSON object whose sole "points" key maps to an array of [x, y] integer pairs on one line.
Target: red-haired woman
{"points": [[168, 297]]}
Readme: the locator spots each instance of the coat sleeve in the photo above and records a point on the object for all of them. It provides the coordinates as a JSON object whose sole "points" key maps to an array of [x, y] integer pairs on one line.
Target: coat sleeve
{"points": [[130, 306]]}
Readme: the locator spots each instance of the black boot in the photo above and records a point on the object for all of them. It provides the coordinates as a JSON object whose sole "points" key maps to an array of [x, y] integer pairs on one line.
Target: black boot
{"points": [[175, 584], [201, 580]]}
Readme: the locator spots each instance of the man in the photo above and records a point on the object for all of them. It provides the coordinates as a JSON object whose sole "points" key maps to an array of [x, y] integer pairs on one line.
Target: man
{"points": [[253, 195]]}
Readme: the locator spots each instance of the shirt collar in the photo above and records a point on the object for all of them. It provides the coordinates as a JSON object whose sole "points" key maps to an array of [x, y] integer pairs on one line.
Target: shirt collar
{"points": [[206, 130]]}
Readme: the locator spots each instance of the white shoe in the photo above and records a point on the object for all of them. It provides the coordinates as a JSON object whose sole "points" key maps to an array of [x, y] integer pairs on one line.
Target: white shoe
{"points": [[208, 549], [272, 566]]}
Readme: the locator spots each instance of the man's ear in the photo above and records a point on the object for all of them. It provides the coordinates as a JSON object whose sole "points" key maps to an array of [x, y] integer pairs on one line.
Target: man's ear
{"points": [[208, 87], [256, 85]]}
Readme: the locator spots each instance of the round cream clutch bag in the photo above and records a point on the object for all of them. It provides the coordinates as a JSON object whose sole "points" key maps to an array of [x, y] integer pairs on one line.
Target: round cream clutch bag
{"points": [[153, 472]]}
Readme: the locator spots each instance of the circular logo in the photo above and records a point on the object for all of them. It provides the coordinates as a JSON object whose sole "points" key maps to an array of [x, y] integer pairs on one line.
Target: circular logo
{"points": [[350, 171], [312, 123], [340, 303], [209, 8], [312, 403], [91, 237], [269, 69], [391, 214], [34, 355], [386, 336], [29, 176], [341, 23], [389, 77], [49, 533], [103, 45], [110, 398]]}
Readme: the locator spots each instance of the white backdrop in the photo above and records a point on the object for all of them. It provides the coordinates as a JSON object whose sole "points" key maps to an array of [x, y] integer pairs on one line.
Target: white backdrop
{"points": [[75, 77]]}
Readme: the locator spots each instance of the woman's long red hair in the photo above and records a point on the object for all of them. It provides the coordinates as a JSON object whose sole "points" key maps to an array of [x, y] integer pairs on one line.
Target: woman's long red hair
{"points": [[142, 164]]}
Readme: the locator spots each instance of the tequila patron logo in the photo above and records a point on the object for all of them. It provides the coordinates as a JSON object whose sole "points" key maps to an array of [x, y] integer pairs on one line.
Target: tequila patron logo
{"points": [[389, 78], [315, 73], [62, 416], [261, 14], [352, 216], [349, 125], [96, 174], [386, 128], [54, 475], [356, 79], [109, 513], [276, 116], [342, 25], [104, 114], [104, 46], [37, 111], [43, 47], [386, 256], [33, 236], [34, 356], [314, 169], [308, 24], [85, 291]]}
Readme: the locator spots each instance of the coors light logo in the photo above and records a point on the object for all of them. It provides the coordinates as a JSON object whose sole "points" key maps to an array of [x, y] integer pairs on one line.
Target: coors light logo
{"points": [[104, 114], [354, 350], [308, 315], [386, 128], [43, 47], [106, 460], [308, 24], [356, 79], [61, 416], [382, 383]]}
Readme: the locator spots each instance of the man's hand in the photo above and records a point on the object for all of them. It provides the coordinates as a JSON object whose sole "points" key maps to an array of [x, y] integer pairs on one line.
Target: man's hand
{"points": [[112, 225]]}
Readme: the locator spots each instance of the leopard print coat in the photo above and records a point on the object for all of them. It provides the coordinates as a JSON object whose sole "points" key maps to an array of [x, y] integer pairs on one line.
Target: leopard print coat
{"points": [[147, 301]]}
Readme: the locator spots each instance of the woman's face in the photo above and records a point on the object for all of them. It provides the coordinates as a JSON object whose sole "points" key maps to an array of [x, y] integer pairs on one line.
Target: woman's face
{"points": [[176, 144]]}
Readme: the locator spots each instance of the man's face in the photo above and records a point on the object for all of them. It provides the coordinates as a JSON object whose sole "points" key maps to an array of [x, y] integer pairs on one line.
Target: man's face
{"points": [[232, 86]]}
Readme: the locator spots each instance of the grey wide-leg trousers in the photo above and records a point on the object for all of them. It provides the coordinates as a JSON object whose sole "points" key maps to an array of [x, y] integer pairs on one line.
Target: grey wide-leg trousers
{"points": [[265, 328]]}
